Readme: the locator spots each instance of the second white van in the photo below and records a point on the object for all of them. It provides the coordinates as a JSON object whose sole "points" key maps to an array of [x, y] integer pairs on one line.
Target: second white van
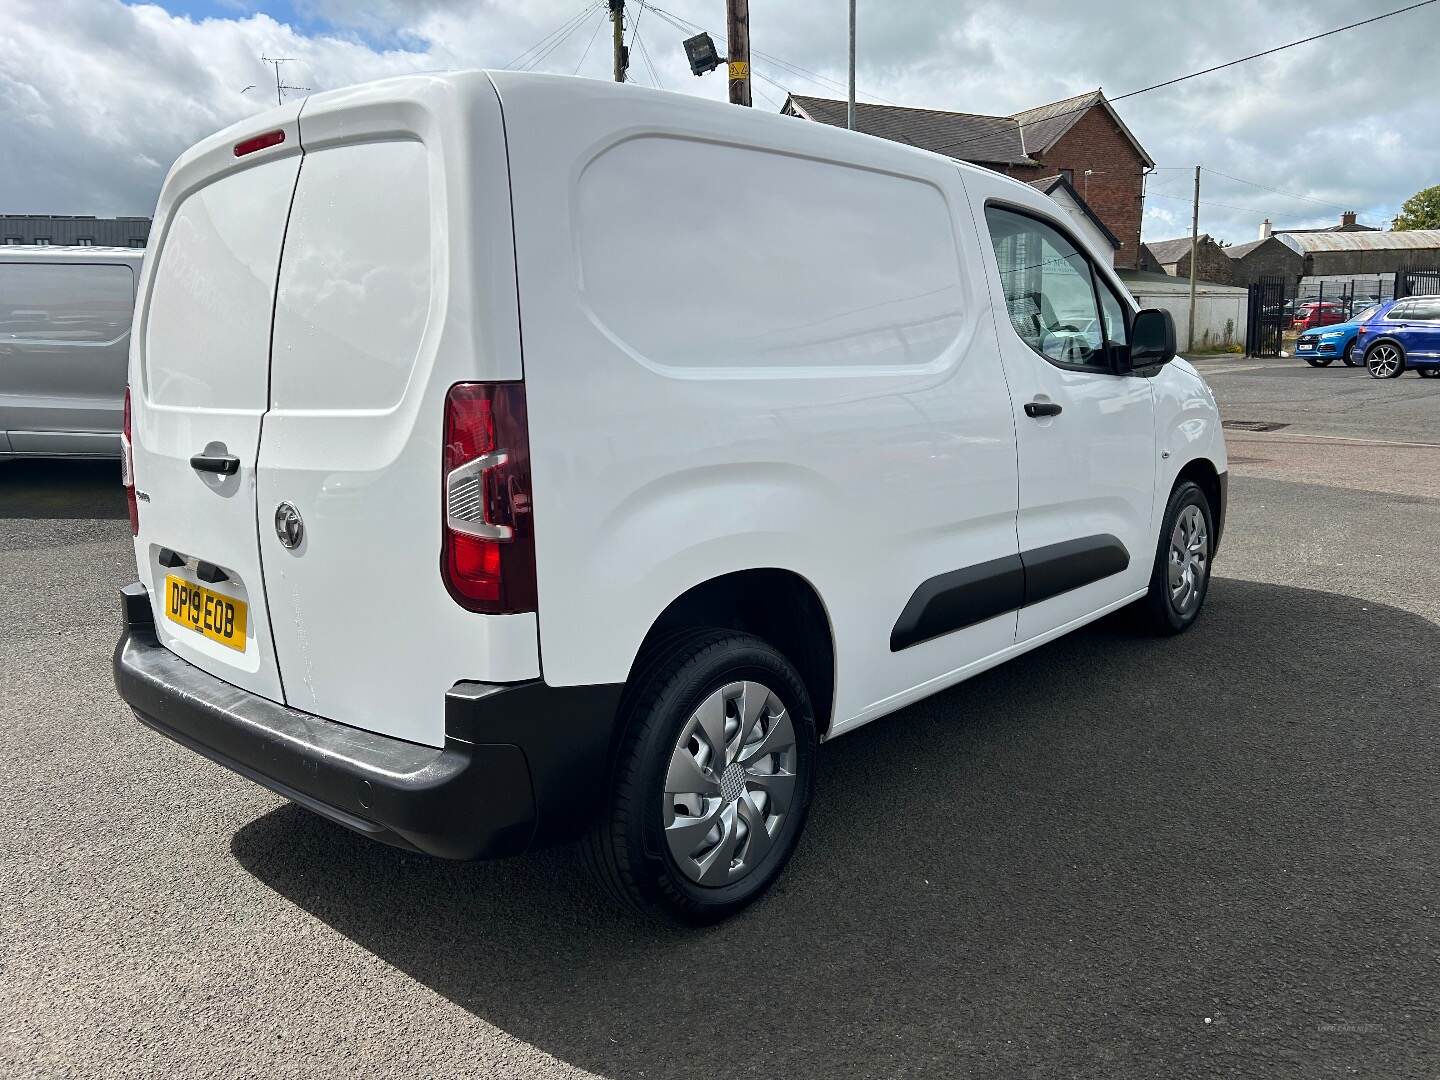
{"points": [[516, 459]]}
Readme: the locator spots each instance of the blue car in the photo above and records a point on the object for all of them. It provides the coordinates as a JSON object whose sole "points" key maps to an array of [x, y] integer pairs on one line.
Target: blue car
{"points": [[1401, 334], [1321, 345]]}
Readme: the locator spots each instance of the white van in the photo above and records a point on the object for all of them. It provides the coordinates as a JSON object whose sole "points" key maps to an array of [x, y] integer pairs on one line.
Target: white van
{"points": [[65, 316], [516, 459]]}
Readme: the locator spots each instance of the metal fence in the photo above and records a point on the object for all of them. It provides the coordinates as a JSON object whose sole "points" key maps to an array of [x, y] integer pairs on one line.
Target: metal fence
{"points": [[1277, 304]]}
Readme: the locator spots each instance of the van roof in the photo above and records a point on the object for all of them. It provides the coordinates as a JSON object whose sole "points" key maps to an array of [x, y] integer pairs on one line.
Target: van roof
{"points": [[568, 92]]}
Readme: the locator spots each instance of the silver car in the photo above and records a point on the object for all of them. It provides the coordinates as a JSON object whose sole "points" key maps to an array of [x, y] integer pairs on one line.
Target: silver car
{"points": [[64, 340]]}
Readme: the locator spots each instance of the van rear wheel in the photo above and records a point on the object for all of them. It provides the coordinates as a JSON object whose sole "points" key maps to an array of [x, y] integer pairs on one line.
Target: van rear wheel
{"points": [[713, 779]]}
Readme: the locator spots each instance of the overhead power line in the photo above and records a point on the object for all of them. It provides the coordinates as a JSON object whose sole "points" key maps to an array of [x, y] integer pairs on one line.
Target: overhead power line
{"points": [[569, 23], [1277, 191], [1221, 67], [598, 23], [685, 26], [540, 57]]}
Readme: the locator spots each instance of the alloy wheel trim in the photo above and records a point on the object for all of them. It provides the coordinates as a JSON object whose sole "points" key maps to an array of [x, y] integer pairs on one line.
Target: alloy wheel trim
{"points": [[730, 783], [1189, 559]]}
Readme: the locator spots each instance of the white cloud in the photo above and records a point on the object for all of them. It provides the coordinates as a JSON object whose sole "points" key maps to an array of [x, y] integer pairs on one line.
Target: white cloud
{"points": [[97, 97]]}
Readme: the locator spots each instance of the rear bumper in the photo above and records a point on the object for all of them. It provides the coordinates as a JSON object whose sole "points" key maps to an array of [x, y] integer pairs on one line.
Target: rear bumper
{"points": [[523, 764]]}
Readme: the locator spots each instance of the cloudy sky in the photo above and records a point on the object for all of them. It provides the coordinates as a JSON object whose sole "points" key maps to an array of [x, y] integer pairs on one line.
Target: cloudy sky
{"points": [[97, 97]]}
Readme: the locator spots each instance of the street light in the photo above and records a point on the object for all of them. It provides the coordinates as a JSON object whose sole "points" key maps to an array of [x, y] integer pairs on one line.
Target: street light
{"points": [[701, 52]]}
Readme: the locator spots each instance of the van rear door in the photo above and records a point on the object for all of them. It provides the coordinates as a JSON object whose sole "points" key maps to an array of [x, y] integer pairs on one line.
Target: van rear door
{"points": [[397, 281], [199, 384]]}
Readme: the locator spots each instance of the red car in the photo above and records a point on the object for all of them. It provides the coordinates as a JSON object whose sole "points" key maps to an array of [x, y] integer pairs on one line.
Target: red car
{"points": [[1309, 316]]}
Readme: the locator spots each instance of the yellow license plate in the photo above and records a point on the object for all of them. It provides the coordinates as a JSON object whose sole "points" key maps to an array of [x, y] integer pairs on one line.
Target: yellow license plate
{"points": [[219, 617]]}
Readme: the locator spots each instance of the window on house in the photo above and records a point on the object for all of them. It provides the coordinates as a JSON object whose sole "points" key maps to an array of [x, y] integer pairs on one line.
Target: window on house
{"points": [[1069, 175], [13, 240], [42, 241], [135, 242], [84, 241]]}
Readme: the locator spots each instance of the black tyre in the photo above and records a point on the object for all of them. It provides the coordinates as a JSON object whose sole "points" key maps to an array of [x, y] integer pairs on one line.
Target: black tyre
{"points": [[1181, 576], [1349, 355], [1385, 360], [713, 779], [1428, 372], [1319, 361]]}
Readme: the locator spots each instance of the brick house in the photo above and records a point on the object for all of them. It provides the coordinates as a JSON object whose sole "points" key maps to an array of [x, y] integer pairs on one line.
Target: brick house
{"points": [[1173, 257], [1081, 139]]}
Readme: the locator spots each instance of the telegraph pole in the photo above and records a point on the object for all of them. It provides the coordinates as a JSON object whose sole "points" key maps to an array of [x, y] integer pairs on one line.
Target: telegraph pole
{"points": [[622, 54], [1194, 257], [737, 38], [850, 110]]}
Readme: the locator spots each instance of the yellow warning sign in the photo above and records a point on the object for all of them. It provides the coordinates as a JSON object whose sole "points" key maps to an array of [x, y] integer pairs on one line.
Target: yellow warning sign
{"points": [[739, 69]]}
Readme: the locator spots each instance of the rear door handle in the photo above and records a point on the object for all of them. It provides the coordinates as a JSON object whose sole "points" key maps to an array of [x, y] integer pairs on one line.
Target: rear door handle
{"points": [[1037, 409], [224, 464]]}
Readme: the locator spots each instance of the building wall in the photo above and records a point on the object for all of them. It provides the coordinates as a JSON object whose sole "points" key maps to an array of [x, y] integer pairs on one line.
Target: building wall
{"points": [[1214, 266], [1114, 192], [63, 229], [1270, 259], [1220, 313], [1328, 263], [1085, 228]]}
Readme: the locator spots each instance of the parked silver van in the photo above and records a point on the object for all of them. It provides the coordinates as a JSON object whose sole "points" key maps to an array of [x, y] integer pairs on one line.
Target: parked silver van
{"points": [[64, 342]]}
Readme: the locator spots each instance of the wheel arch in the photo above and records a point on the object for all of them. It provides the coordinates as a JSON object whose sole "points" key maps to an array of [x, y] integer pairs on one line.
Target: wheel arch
{"points": [[1386, 339], [1210, 480], [773, 603]]}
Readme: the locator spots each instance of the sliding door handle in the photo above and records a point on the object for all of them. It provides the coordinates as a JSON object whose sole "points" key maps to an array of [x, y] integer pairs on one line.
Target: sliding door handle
{"points": [[224, 464], [1037, 409]]}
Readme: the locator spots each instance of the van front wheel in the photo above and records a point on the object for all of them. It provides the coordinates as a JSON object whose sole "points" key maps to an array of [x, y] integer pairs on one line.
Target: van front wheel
{"points": [[713, 779], [1181, 575]]}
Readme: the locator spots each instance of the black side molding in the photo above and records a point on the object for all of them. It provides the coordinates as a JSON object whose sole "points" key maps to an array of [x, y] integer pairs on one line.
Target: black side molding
{"points": [[1058, 568], [960, 598]]}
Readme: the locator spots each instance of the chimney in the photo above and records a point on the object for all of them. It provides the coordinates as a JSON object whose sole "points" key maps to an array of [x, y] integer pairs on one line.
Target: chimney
{"points": [[1265, 229], [1347, 219]]}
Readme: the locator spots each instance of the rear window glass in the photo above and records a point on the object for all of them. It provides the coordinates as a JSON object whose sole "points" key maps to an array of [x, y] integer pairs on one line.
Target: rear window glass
{"points": [[207, 337], [354, 296], [48, 302], [704, 255]]}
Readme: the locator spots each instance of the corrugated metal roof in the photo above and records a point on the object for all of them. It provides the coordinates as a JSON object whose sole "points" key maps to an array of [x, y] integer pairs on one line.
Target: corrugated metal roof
{"points": [[1417, 239]]}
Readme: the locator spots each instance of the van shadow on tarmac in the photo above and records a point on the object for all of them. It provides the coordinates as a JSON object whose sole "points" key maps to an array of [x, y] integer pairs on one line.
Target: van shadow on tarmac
{"points": [[1064, 867], [69, 489]]}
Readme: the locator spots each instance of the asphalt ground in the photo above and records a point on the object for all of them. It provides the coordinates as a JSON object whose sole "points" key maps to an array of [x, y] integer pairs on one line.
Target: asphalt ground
{"points": [[1214, 855]]}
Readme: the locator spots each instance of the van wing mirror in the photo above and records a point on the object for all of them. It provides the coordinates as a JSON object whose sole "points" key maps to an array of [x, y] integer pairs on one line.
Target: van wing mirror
{"points": [[1152, 338]]}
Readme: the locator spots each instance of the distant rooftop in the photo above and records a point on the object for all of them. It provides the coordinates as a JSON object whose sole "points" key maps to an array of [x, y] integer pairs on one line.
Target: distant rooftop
{"points": [[991, 140]]}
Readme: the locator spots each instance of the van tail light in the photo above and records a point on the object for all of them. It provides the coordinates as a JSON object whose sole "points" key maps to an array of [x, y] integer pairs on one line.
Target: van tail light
{"points": [[127, 468], [488, 556]]}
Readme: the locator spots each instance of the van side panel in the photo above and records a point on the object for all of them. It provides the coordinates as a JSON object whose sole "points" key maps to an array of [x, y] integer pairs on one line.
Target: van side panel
{"points": [[750, 342], [64, 340]]}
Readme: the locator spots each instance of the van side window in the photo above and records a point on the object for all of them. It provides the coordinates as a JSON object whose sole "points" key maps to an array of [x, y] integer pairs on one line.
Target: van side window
{"points": [[1112, 311], [1050, 291]]}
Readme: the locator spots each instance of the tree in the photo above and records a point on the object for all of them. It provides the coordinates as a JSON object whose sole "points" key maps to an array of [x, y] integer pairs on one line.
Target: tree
{"points": [[1420, 211]]}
